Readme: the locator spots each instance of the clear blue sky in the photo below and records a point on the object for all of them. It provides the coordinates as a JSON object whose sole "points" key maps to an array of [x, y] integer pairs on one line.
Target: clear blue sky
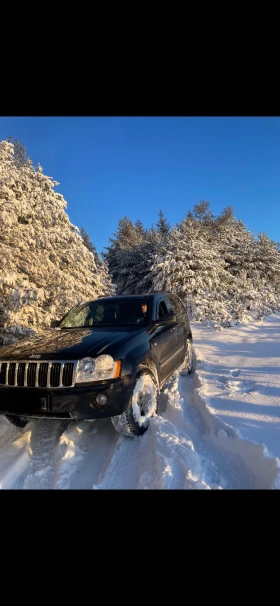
{"points": [[111, 167]]}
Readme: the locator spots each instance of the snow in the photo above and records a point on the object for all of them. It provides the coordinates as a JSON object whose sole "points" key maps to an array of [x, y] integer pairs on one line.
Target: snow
{"points": [[218, 428], [143, 394], [239, 373]]}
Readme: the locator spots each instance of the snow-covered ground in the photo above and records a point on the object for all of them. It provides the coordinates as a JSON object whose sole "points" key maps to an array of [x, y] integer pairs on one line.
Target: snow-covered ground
{"points": [[218, 428], [238, 371]]}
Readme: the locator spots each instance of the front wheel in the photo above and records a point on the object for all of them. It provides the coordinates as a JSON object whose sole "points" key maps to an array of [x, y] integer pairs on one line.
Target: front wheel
{"points": [[143, 404], [188, 364]]}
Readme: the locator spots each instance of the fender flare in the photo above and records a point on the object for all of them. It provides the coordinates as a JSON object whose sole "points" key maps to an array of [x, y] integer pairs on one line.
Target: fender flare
{"points": [[145, 361]]}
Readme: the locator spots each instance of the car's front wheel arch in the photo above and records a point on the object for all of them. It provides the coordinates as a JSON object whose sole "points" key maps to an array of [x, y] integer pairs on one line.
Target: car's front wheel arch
{"points": [[143, 404], [148, 363]]}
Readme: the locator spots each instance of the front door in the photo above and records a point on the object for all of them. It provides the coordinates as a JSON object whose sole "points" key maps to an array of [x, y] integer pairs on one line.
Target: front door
{"points": [[164, 343], [175, 306]]}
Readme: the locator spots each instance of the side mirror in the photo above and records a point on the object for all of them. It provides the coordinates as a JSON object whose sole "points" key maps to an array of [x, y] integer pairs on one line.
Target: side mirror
{"points": [[54, 323], [165, 320]]}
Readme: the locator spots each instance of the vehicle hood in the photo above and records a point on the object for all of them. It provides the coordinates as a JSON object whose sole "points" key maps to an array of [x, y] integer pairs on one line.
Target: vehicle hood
{"points": [[71, 344]]}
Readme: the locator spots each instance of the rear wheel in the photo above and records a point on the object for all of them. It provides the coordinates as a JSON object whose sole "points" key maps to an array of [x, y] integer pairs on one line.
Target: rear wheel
{"points": [[142, 406], [17, 421], [188, 364]]}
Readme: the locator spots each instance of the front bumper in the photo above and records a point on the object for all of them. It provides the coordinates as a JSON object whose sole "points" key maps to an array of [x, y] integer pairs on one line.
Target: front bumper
{"points": [[77, 403]]}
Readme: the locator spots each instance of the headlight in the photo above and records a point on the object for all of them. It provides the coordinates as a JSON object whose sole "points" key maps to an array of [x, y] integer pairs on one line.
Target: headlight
{"points": [[103, 367], [86, 368]]}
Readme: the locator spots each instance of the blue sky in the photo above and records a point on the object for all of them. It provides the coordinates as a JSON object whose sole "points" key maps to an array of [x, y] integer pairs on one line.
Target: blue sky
{"points": [[111, 167]]}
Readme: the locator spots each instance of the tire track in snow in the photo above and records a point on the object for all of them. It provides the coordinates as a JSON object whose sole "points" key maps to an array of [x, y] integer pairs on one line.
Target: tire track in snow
{"points": [[13, 461], [163, 457], [86, 450], [44, 440], [243, 464], [7, 432], [178, 465]]}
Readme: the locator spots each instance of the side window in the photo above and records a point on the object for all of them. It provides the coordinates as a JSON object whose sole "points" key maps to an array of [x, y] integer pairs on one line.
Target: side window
{"points": [[170, 304], [176, 308], [181, 310], [162, 309]]}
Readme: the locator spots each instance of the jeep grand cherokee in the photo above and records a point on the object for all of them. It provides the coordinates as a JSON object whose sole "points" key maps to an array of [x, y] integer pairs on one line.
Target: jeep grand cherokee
{"points": [[105, 358]]}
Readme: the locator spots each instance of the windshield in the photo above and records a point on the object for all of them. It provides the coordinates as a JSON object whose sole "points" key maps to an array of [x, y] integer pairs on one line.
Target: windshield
{"points": [[120, 312]]}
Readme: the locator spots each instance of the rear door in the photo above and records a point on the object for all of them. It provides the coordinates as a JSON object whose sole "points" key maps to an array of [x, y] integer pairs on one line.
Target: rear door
{"points": [[164, 342]]}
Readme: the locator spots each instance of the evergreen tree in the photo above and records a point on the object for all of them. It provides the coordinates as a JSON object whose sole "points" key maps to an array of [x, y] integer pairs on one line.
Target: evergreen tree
{"points": [[162, 226], [193, 269], [203, 213], [87, 241], [102, 266], [19, 156], [140, 229], [45, 267], [122, 254]]}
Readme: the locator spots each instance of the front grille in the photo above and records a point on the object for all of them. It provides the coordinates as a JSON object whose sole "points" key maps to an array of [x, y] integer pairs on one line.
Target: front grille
{"points": [[38, 374], [11, 373]]}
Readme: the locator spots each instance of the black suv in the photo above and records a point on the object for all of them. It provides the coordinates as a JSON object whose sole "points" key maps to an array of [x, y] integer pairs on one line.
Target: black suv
{"points": [[105, 358]]}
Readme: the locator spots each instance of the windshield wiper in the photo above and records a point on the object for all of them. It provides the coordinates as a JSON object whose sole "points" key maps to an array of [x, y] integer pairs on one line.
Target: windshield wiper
{"points": [[88, 326], [98, 326]]}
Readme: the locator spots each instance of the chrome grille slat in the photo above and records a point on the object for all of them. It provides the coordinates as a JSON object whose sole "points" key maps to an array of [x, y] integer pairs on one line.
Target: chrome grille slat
{"points": [[61, 374], [53, 374], [7, 373], [49, 375], [38, 365], [16, 375], [25, 374]]}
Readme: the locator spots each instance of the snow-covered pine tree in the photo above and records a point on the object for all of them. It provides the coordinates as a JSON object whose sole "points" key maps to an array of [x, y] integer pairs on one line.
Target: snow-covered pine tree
{"points": [[140, 279], [162, 227], [267, 262], [121, 254], [235, 243], [193, 269], [224, 274], [44, 266], [254, 291], [131, 253], [154, 242], [88, 243], [203, 215], [102, 266]]}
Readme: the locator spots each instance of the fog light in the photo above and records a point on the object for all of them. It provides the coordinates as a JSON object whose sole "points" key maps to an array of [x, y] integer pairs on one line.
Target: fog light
{"points": [[101, 399]]}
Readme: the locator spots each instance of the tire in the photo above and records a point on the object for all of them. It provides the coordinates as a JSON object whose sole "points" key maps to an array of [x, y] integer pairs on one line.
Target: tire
{"points": [[188, 364], [17, 421], [143, 404]]}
